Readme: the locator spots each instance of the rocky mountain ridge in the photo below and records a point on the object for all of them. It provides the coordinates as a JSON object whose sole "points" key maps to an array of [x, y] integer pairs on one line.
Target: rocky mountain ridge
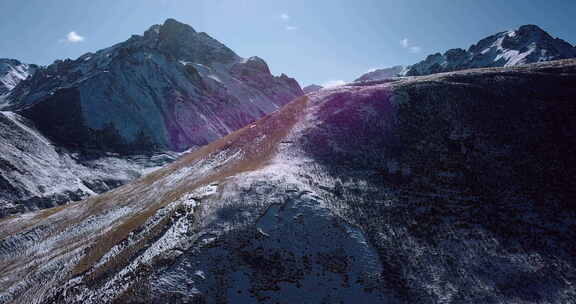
{"points": [[381, 74], [448, 188], [12, 72], [171, 88], [527, 44], [80, 127], [312, 88]]}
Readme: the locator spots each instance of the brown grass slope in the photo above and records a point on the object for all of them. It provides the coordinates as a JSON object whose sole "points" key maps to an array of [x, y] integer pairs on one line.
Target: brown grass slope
{"points": [[72, 241]]}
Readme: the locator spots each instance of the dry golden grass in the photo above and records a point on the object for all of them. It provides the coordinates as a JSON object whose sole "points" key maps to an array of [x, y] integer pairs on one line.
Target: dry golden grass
{"points": [[48, 212], [275, 127]]}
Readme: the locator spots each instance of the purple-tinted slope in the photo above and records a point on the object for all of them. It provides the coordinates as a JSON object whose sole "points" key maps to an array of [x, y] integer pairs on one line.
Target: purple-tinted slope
{"points": [[168, 90], [449, 166], [451, 188], [171, 88]]}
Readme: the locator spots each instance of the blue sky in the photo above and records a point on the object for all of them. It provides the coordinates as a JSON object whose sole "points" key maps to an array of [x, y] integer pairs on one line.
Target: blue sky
{"points": [[315, 41]]}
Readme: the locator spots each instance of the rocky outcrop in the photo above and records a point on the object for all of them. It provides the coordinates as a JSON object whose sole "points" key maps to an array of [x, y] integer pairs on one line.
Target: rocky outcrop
{"points": [[312, 88], [35, 174], [527, 44], [170, 89], [12, 72], [450, 188], [382, 74]]}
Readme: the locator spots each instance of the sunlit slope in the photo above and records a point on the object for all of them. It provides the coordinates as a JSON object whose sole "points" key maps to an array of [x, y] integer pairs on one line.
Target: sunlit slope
{"points": [[451, 188]]}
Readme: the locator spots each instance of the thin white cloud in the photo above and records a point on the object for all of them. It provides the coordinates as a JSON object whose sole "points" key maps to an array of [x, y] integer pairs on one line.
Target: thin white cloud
{"points": [[286, 18], [405, 43], [73, 37], [333, 83], [414, 49]]}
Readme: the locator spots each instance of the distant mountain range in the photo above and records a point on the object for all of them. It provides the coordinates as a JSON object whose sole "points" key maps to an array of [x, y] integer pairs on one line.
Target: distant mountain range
{"points": [[312, 88], [380, 74], [527, 44]]}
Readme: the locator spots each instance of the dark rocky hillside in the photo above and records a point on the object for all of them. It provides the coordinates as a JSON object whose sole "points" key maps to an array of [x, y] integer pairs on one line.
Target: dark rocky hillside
{"points": [[449, 188]]}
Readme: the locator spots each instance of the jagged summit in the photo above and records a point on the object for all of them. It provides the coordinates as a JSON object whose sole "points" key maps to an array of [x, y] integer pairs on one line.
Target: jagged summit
{"points": [[454, 188], [527, 44], [380, 74], [183, 42], [258, 63], [312, 88], [9, 61], [171, 89], [12, 72], [531, 29], [171, 28], [173, 25]]}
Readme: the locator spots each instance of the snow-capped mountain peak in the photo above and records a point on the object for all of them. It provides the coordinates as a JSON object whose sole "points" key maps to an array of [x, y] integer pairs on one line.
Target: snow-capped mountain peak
{"points": [[177, 87], [381, 74], [12, 72], [527, 44], [183, 42], [169, 90], [312, 88]]}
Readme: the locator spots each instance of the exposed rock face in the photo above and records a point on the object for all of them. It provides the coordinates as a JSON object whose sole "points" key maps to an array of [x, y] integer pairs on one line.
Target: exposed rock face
{"points": [[11, 73], [527, 44], [35, 174], [451, 188], [382, 74], [171, 88], [312, 88]]}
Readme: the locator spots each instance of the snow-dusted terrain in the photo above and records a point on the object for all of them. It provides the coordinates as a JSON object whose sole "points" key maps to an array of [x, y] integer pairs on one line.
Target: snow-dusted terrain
{"points": [[382, 74], [312, 88], [35, 174], [170, 88], [84, 126], [527, 44], [450, 188], [12, 72]]}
